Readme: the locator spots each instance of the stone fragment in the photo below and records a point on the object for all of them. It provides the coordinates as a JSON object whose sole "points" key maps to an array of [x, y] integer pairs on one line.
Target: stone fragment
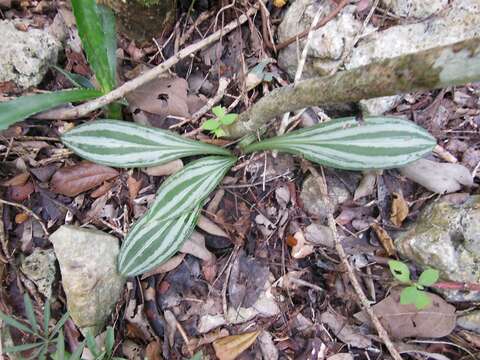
{"points": [[26, 55], [446, 237], [88, 265]]}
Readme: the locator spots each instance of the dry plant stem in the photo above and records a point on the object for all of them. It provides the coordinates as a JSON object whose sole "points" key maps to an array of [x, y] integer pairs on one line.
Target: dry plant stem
{"points": [[350, 272], [222, 87], [454, 64], [299, 72], [152, 74], [348, 52], [322, 23], [29, 212]]}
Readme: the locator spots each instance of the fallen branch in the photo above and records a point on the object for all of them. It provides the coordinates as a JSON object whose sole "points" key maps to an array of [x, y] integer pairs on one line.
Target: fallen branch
{"points": [[454, 64], [152, 74], [382, 333]]}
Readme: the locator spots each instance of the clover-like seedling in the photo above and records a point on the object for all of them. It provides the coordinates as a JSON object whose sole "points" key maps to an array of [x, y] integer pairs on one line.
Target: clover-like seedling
{"points": [[222, 118], [413, 294]]}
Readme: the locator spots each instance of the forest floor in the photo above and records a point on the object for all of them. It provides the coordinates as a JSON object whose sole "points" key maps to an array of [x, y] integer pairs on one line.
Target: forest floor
{"points": [[263, 276]]}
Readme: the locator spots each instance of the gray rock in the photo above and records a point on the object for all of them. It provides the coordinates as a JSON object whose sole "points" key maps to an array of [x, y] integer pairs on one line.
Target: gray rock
{"points": [[26, 55], [470, 321], [446, 237], [328, 43], [40, 268], [419, 9], [88, 265], [312, 200], [459, 22]]}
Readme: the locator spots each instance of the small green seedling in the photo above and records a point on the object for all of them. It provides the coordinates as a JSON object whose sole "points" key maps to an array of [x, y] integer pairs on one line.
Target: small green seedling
{"points": [[44, 337], [222, 118], [413, 294]]}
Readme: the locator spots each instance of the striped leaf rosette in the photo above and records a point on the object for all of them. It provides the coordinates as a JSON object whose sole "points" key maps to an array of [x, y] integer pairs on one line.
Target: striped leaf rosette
{"points": [[173, 216], [124, 144], [374, 143]]}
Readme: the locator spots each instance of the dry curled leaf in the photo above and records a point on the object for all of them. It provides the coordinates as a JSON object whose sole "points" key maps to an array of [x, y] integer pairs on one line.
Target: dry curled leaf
{"points": [[73, 180], [402, 321], [163, 97], [165, 169], [345, 332], [385, 239], [134, 187], [228, 348], [399, 211], [21, 192], [442, 178]]}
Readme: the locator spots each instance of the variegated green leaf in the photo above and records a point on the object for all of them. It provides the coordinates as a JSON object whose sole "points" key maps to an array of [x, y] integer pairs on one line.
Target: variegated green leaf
{"points": [[173, 215], [124, 144], [190, 186], [152, 242], [375, 143]]}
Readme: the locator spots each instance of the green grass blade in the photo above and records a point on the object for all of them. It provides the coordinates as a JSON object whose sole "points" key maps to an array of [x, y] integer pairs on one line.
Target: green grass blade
{"points": [[30, 313], [60, 352], [91, 344], [124, 144], [21, 108], [96, 27], [46, 317], [59, 325], [77, 354], [77, 80], [16, 324], [109, 340], [375, 143], [22, 347]]}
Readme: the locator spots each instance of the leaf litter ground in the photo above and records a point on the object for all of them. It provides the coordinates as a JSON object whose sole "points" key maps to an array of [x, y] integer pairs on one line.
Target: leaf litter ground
{"points": [[258, 278]]}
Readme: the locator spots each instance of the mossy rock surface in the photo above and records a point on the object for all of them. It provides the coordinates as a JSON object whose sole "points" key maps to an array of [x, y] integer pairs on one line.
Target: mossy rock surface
{"points": [[446, 237]]}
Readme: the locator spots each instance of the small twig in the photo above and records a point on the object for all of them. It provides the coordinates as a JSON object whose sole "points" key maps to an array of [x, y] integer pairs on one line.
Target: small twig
{"points": [[152, 74], [28, 211], [324, 21], [301, 64], [347, 52], [222, 87], [201, 18], [350, 272]]}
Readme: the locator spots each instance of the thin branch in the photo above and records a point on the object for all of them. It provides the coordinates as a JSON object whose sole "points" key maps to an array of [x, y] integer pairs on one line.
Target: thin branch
{"points": [[350, 272], [29, 212], [152, 74]]}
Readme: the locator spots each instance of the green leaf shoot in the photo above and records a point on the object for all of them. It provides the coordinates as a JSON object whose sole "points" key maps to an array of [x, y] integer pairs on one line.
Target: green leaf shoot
{"points": [[400, 271]]}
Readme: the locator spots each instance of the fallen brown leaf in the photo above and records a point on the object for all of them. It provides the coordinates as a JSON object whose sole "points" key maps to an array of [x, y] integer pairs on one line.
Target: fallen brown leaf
{"points": [[399, 211], [153, 351], [21, 192], [228, 348], [345, 332], [402, 321], [21, 218], [101, 190], [134, 187], [17, 180], [385, 239], [163, 96], [73, 180]]}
